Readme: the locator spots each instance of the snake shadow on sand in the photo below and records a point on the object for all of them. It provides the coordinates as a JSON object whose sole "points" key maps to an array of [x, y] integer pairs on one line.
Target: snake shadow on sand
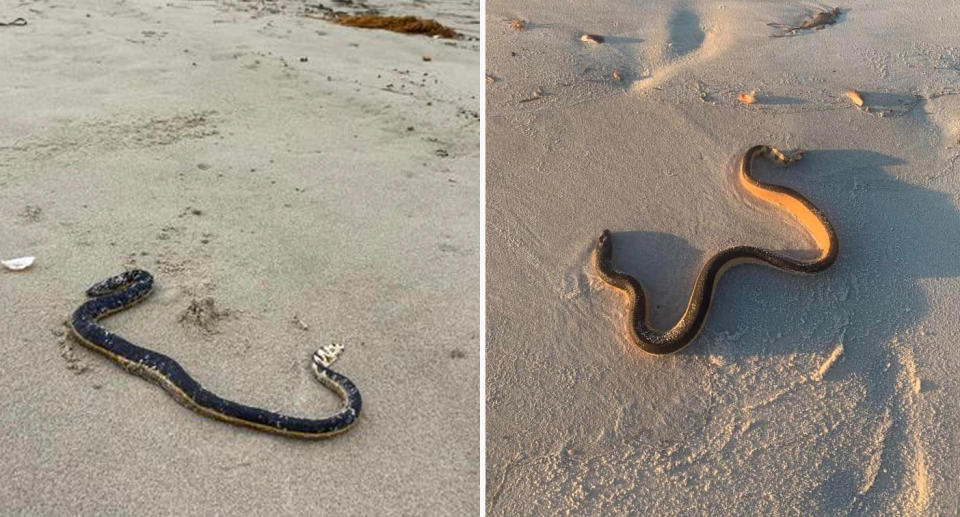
{"points": [[892, 234]]}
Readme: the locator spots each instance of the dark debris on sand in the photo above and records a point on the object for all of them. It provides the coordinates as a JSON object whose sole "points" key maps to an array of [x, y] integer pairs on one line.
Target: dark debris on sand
{"points": [[818, 21]]}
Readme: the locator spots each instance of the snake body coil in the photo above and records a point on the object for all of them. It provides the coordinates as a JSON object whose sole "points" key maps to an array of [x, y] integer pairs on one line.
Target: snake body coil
{"points": [[691, 323], [120, 292]]}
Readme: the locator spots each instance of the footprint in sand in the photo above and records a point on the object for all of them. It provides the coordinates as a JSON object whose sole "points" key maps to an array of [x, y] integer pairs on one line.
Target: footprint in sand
{"points": [[685, 41], [686, 34]]}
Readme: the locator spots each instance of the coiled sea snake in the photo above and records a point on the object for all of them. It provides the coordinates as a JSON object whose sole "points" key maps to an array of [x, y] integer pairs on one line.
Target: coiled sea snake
{"points": [[120, 292], [691, 323]]}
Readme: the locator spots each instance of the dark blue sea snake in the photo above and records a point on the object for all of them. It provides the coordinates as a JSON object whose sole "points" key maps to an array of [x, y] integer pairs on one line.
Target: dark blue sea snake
{"points": [[126, 289]]}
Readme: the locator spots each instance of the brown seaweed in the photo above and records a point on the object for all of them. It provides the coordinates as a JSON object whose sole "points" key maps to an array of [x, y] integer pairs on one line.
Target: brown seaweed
{"points": [[403, 24]]}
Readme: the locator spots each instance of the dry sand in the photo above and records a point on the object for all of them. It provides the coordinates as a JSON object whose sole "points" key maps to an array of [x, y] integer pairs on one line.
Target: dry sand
{"points": [[832, 394], [341, 192]]}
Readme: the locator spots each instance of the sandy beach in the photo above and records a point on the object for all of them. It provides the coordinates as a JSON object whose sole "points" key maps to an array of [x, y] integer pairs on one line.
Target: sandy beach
{"points": [[295, 182], [829, 394]]}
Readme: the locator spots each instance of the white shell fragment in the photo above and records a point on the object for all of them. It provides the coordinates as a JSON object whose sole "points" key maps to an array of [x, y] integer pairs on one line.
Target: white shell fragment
{"points": [[18, 264]]}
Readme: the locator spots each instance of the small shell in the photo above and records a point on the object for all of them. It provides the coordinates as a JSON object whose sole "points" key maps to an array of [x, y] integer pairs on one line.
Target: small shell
{"points": [[427, 59], [518, 24], [490, 79], [616, 75], [855, 97], [591, 38], [18, 264], [747, 98], [533, 96]]}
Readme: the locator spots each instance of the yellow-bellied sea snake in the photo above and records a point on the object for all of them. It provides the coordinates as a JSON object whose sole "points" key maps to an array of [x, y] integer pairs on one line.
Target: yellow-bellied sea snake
{"points": [[120, 292], [691, 323]]}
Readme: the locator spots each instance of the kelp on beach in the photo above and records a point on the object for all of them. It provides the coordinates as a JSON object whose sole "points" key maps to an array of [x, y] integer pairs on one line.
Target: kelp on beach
{"points": [[404, 24]]}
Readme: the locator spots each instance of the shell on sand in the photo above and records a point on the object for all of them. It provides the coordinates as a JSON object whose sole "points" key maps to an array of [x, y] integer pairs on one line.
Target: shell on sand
{"points": [[747, 98], [18, 264], [855, 97], [591, 38]]}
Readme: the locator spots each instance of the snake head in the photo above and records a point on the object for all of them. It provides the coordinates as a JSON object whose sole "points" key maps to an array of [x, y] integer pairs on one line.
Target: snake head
{"points": [[119, 282], [604, 237], [605, 246], [324, 357]]}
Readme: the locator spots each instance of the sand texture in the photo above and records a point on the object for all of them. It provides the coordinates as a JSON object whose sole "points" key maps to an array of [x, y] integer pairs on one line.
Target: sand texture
{"points": [[290, 183], [832, 394]]}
